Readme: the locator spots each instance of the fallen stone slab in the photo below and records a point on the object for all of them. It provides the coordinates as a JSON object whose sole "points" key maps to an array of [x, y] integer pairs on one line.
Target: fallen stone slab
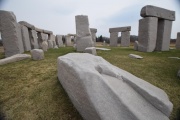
{"points": [[14, 58], [120, 29], [37, 54], [153, 11], [91, 50], [28, 25], [97, 48], [102, 91], [174, 57], [135, 56], [47, 32]]}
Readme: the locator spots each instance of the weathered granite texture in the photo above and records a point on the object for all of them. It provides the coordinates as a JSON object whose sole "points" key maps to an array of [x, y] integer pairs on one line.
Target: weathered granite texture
{"points": [[41, 37], [178, 41], [44, 46], [10, 33], [93, 35], [147, 34], [163, 35], [83, 34], [101, 91], [50, 44], [37, 54], [47, 32], [125, 39], [52, 38], [114, 39], [14, 58], [153, 11], [28, 25], [38, 30], [91, 50], [120, 29], [68, 40], [25, 38], [33, 39], [59, 41]]}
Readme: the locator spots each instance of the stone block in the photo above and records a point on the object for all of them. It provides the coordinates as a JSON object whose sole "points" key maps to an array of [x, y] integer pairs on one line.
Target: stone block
{"points": [[120, 29], [28, 25], [163, 35], [25, 38], [93, 35], [37, 54], [59, 41], [47, 32], [33, 39], [93, 30], [41, 37], [153, 11], [91, 50], [50, 43], [102, 91], [125, 39], [114, 39], [14, 58], [44, 46], [178, 41], [38, 30], [83, 39], [147, 34], [136, 45], [68, 40], [52, 38], [10, 34]]}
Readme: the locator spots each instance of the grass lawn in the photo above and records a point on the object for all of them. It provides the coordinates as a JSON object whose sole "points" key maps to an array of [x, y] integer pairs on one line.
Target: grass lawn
{"points": [[30, 90]]}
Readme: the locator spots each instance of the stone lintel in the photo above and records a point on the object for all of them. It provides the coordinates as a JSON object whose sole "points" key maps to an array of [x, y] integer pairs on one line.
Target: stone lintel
{"points": [[120, 29]]}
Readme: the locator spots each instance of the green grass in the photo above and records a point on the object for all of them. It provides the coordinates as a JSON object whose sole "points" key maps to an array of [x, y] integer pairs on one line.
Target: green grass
{"points": [[30, 90]]}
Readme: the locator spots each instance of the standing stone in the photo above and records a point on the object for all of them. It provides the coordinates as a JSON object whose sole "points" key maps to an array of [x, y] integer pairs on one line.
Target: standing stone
{"points": [[41, 37], [163, 35], [178, 41], [59, 41], [37, 54], [136, 45], [25, 38], [33, 39], [50, 43], [83, 33], [10, 33], [125, 39], [93, 35], [52, 38], [147, 34], [114, 39], [44, 45], [68, 40]]}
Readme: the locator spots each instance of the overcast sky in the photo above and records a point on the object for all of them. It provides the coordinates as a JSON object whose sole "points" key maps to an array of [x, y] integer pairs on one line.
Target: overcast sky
{"points": [[59, 15]]}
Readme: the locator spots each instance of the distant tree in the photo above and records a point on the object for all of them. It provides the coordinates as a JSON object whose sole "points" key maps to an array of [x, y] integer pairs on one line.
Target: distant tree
{"points": [[100, 39]]}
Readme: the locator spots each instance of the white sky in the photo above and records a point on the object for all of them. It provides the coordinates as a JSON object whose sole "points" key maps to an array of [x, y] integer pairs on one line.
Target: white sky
{"points": [[59, 15]]}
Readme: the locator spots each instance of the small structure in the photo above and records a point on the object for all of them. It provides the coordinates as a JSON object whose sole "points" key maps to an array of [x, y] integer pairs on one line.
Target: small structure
{"points": [[125, 36]]}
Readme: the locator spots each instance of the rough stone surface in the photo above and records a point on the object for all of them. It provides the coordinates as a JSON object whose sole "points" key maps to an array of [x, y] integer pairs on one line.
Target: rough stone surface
{"points": [[59, 41], [135, 56], [50, 44], [163, 35], [91, 50], [28, 25], [93, 35], [147, 34], [52, 38], [68, 40], [14, 58], [101, 91], [47, 32], [136, 45], [10, 34], [38, 30], [83, 34], [178, 41], [153, 11], [114, 39], [37, 54], [33, 39], [25, 38], [120, 29], [125, 39], [44, 45], [41, 37]]}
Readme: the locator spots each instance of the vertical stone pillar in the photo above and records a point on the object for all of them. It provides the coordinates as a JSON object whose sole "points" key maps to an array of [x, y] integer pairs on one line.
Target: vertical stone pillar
{"points": [[114, 39], [33, 39], [93, 35], [52, 38], [83, 33], [59, 41], [25, 38], [163, 35], [178, 41], [147, 34], [41, 38], [10, 33], [68, 40], [125, 39]]}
